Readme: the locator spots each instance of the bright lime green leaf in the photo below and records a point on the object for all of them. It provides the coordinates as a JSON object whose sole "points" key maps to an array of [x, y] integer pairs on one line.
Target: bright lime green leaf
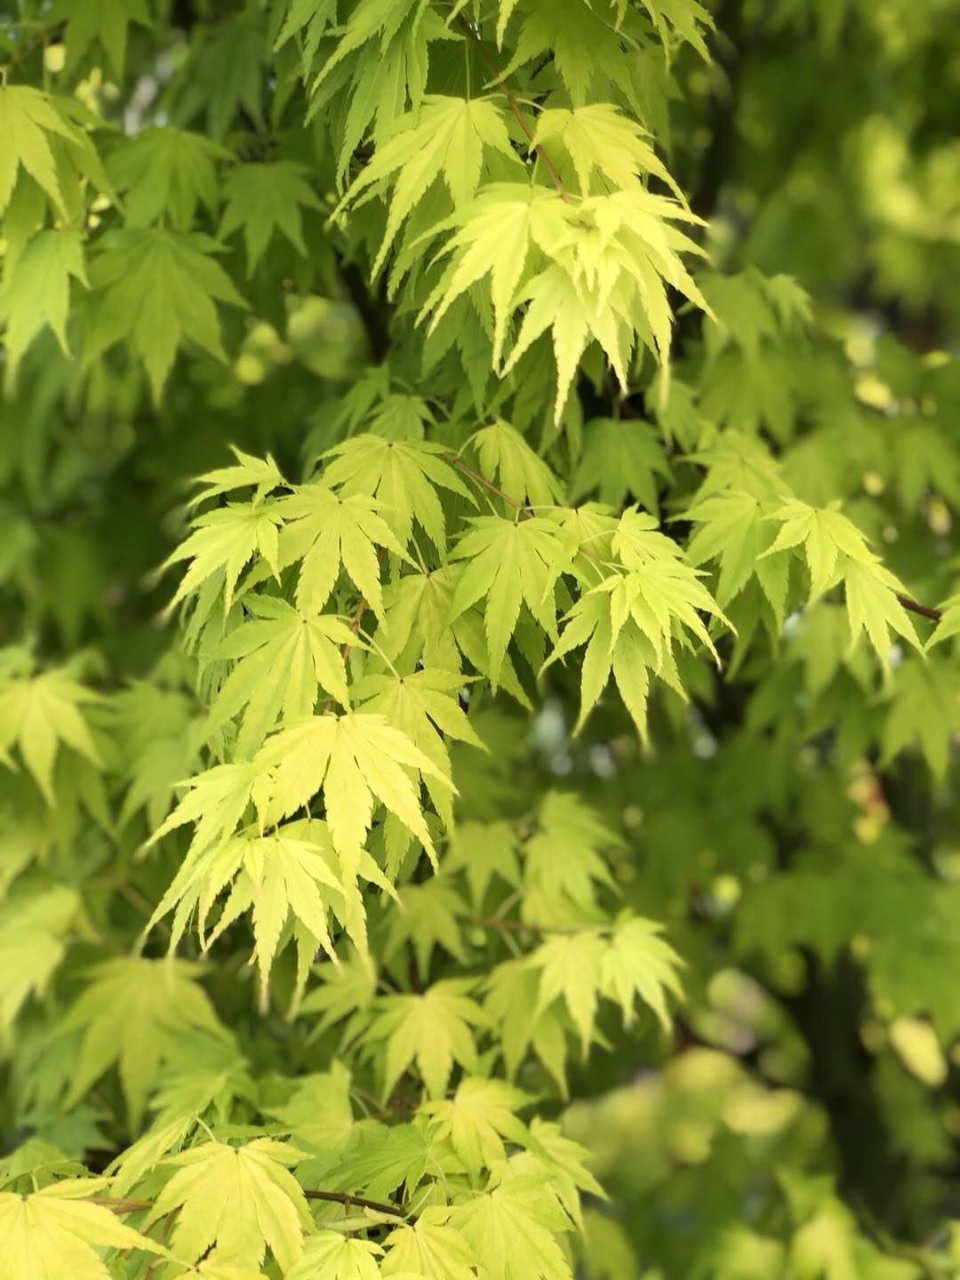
{"points": [[288, 874], [105, 23], [332, 1256], [570, 968], [594, 269], [225, 541], [209, 1080], [343, 991], [479, 1116], [263, 199], [432, 1031], [260, 474], [328, 533], [165, 174], [424, 707], [155, 289], [36, 292], [505, 457], [34, 931], [639, 963], [356, 759], [40, 713], [135, 1013], [242, 1199], [216, 802], [443, 137], [514, 1228], [509, 563], [732, 528], [40, 138], [429, 1249], [598, 138], [282, 659], [403, 476], [873, 607], [57, 1233], [631, 621]]}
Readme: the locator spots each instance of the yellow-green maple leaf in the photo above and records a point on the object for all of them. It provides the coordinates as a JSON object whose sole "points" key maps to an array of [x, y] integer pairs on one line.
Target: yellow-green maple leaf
{"points": [[58, 1234], [242, 1199]]}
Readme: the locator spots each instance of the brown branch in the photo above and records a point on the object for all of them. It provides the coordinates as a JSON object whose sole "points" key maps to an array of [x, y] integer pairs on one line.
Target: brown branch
{"points": [[334, 1197], [924, 610], [341, 1197], [518, 115]]}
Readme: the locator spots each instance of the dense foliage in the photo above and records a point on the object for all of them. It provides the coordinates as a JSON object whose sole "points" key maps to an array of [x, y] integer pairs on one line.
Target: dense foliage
{"points": [[478, 639]]}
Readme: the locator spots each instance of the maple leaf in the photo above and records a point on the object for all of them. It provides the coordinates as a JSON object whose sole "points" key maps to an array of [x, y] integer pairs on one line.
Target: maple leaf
{"points": [[506, 457], [36, 291], [403, 476], [598, 138], [570, 968], [319, 1113], [216, 801], [41, 138], [924, 708], [56, 1233], [135, 1013], [105, 23], [513, 1228], [430, 1249], [326, 532], [260, 474], [510, 563], [355, 758], [155, 288], [224, 541], [482, 850], [562, 862], [444, 136], [478, 1117], [429, 916], [733, 528], [166, 174], [263, 199], [282, 659], [39, 713], [593, 269], [510, 1002], [834, 549], [242, 1199], [639, 963], [621, 459], [34, 931], [432, 1030], [288, 875], [423, 706], [631, 620], [328, 1255]]}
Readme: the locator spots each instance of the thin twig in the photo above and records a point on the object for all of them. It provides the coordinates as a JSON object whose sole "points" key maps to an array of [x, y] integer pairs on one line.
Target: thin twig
{"points": [[340, 1197], [924, 610], [518, 114]]}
